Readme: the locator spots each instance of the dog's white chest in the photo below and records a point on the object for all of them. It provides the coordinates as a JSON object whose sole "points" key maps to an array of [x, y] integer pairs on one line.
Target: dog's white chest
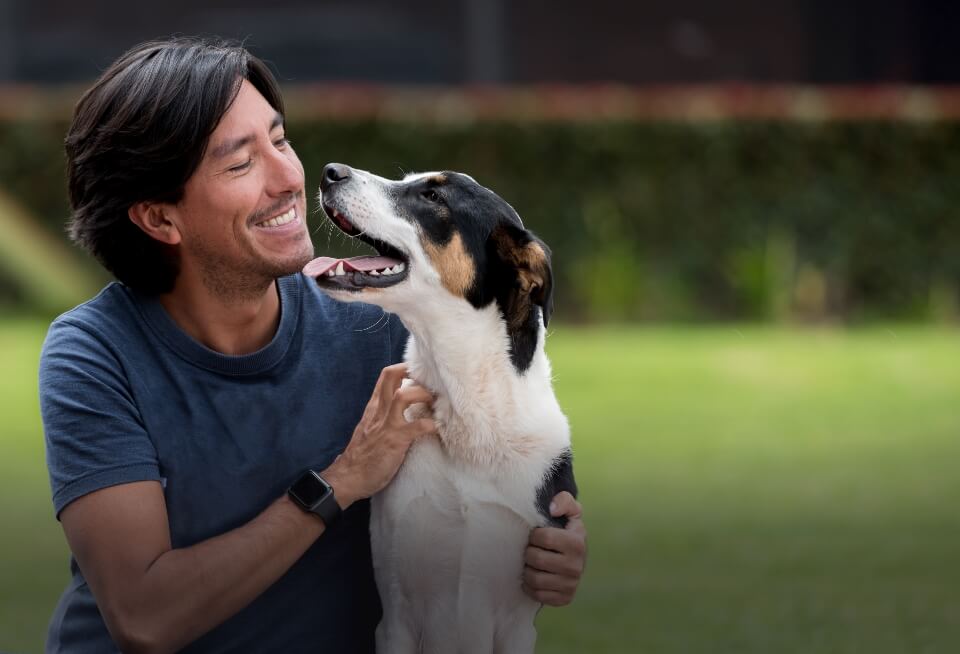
{"points": [[448, 543]]}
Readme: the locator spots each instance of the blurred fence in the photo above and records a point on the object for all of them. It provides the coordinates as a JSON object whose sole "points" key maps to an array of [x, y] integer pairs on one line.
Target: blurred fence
{"points": [[692, 203]]}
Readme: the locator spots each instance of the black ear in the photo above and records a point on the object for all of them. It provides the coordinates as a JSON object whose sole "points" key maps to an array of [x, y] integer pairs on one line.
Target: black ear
{"points": [[526, 259]]}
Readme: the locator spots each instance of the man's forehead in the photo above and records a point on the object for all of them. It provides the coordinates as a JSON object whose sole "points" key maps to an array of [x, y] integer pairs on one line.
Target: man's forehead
{"points": [[241, 121], [230, 144]]}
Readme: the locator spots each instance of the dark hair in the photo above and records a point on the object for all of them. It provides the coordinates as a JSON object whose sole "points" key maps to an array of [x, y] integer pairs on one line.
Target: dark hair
{"points": [[138, 134]]}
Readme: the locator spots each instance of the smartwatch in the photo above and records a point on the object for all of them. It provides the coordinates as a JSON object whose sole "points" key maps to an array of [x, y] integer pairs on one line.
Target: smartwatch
{"points": [[313, 494]]}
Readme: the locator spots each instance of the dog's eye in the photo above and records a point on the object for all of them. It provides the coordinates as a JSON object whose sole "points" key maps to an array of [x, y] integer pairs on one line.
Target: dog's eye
{"points": [[430, 195]]}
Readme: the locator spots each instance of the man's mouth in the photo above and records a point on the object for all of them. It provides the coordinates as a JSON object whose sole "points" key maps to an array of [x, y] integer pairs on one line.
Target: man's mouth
{"points": [[277, 221], [388, 267]]}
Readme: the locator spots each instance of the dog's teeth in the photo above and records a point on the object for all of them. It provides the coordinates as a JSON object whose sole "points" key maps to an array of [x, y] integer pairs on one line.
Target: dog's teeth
{"points": [[340, 270], [374, 272], [330, 273], [400, 267]]}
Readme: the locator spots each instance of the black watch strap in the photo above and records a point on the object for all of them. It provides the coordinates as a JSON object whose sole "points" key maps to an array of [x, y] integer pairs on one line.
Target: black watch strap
{"points": [[313, 494]]}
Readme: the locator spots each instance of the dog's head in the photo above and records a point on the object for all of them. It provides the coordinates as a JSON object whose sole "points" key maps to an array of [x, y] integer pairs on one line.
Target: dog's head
{"points": [[440, 237]]}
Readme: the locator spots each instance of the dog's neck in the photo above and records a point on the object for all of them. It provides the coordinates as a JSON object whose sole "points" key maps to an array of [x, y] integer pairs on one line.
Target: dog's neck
{"points": [[463, 354]]}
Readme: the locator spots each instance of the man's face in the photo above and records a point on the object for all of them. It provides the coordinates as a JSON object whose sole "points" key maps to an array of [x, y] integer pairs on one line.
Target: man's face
{"points": [[242, 218]]}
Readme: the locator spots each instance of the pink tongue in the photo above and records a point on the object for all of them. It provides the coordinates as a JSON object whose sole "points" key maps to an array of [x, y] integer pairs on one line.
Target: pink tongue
{"points": [[322, 265]]}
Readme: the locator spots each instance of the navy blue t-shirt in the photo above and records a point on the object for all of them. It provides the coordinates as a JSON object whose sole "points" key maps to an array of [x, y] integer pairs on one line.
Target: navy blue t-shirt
{"points": [[127, 396]]}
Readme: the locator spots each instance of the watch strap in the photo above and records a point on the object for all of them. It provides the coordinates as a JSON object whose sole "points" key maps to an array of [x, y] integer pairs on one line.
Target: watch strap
{"points": [[328, 509]]}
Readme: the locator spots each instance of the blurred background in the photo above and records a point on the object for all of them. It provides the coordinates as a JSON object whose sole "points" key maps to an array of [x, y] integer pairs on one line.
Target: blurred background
{"points": [[754, 212]]}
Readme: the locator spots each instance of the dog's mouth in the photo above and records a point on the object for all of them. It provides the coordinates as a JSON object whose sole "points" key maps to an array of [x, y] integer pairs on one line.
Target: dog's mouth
{"points": [[389, 267]]}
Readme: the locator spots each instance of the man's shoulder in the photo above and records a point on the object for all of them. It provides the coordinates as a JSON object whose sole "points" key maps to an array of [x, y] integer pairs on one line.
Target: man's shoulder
{"points": [[318, 306], [114, 302], [105, 318], [355, 323]]}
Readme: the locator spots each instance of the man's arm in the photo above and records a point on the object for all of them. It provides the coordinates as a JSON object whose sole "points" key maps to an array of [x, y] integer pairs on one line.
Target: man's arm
{"points": [[157, 599]]}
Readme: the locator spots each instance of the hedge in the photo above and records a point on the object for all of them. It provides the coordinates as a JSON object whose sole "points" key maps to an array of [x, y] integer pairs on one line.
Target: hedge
{"points": [[742, 220]]}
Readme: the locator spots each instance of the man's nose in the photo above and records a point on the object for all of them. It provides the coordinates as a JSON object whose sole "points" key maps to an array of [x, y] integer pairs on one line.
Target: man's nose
{"points": [[332, 174], [286, 173]]}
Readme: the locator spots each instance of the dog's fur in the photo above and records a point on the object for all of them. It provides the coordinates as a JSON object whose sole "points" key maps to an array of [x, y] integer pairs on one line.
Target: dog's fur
{"points": [[449, 533]]}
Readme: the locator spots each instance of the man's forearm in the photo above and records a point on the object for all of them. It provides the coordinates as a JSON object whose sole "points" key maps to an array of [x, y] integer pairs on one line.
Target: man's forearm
{"points": [[187, 592]]}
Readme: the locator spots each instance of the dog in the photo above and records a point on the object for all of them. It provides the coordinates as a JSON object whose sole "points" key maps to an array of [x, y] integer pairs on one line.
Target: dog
{"points": [[475, 290]]}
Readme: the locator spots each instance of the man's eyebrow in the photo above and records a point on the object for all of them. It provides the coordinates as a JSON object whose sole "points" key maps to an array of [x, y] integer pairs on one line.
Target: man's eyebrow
{"points": [[232, 145]]}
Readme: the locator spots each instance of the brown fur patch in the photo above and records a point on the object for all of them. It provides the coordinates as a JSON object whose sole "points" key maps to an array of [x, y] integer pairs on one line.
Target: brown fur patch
{"points": [[534, 272], [530, 262], [456, 267]]}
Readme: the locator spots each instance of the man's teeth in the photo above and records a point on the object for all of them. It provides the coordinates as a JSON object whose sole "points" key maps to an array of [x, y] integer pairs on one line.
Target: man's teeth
{"points": [[339, 270], [282, 219]]}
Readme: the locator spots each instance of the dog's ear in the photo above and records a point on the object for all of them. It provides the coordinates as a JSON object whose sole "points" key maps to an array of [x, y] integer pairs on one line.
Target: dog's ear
{"points": [[518, 250]]}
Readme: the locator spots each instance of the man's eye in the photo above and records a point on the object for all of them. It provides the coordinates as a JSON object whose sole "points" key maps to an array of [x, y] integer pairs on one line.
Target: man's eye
{"points": [[240, 167], [281, 143], [430, 195]]}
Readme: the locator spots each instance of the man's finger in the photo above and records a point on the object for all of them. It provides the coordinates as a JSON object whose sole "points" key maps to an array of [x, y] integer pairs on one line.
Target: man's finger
{"points": [[549, 597], [413, 394], [548, 581], [405, 397], [387, 384], [553, 562], [565, 541], [564, 504], [422, 427]]}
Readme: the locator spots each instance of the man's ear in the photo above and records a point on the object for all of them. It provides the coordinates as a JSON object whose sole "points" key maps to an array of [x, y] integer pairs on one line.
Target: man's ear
{"points": [[520, 250], [153, 219]]}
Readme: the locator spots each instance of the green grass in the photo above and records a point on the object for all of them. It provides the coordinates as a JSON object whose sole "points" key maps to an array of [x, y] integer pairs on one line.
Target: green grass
{"points": [[763, 490], [746, 490], [33, 554]]}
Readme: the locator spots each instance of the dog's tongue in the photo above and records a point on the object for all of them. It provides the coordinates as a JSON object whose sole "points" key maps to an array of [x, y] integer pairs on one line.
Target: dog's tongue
{"points": [[321, 265]]}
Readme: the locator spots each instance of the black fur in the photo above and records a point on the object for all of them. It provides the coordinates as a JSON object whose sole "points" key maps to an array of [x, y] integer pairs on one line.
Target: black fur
{"points": [[559, 478], [451, 203], [519, 308]]}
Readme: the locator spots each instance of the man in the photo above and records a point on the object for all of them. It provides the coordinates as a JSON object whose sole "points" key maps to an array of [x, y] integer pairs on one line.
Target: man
{"points": [[182, 402]]}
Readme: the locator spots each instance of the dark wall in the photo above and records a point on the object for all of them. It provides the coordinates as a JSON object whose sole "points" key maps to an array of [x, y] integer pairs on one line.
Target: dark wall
{"points": [[454, 41]]}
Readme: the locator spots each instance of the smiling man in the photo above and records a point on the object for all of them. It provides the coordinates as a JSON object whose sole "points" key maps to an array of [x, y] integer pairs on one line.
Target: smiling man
{"points": [[214, 423]]}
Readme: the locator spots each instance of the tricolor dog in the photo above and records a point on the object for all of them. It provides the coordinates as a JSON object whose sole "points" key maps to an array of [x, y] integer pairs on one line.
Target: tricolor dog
{"points": [[474, 288]]}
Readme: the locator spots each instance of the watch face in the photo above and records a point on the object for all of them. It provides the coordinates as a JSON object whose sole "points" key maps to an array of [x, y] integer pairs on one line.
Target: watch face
{"points": [[309, 489]]}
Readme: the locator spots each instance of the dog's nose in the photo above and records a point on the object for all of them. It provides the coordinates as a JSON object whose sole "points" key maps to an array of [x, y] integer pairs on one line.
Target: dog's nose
{"points": [[333, 173]]}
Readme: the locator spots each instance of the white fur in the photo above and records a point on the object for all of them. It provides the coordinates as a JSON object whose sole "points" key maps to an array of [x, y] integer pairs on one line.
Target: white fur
{"points": [[449, 533]]}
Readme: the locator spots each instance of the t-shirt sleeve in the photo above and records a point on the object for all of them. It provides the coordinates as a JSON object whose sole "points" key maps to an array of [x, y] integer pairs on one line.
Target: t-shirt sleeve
{"points": [[398, 338], [94, 435]]}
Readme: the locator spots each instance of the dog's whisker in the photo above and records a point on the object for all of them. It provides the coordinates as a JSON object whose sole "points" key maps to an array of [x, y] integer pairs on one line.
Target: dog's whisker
{"points": [[384, 318]]}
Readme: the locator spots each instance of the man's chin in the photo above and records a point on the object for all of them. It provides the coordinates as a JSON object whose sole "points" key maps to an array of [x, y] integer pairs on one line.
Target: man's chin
{"points": [[295, 264], [290, 262], [292, 265]]}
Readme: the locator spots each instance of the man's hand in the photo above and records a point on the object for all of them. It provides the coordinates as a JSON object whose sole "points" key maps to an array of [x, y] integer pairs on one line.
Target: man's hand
{"points": [[381, 438], [555, 558]]}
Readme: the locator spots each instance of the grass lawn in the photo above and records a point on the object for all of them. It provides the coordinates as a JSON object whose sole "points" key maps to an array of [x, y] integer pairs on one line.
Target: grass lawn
{"points": [[746, 490]]}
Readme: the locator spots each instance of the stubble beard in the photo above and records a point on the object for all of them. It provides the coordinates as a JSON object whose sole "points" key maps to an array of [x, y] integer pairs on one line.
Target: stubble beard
{"points": [[236, 281]]}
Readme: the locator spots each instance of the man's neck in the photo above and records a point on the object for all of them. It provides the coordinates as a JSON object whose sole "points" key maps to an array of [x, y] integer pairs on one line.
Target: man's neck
{"points": [[234, 325]]}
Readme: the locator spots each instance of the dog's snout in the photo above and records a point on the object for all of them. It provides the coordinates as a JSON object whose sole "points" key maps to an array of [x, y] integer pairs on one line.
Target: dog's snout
{"points": [[333, 173]]}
